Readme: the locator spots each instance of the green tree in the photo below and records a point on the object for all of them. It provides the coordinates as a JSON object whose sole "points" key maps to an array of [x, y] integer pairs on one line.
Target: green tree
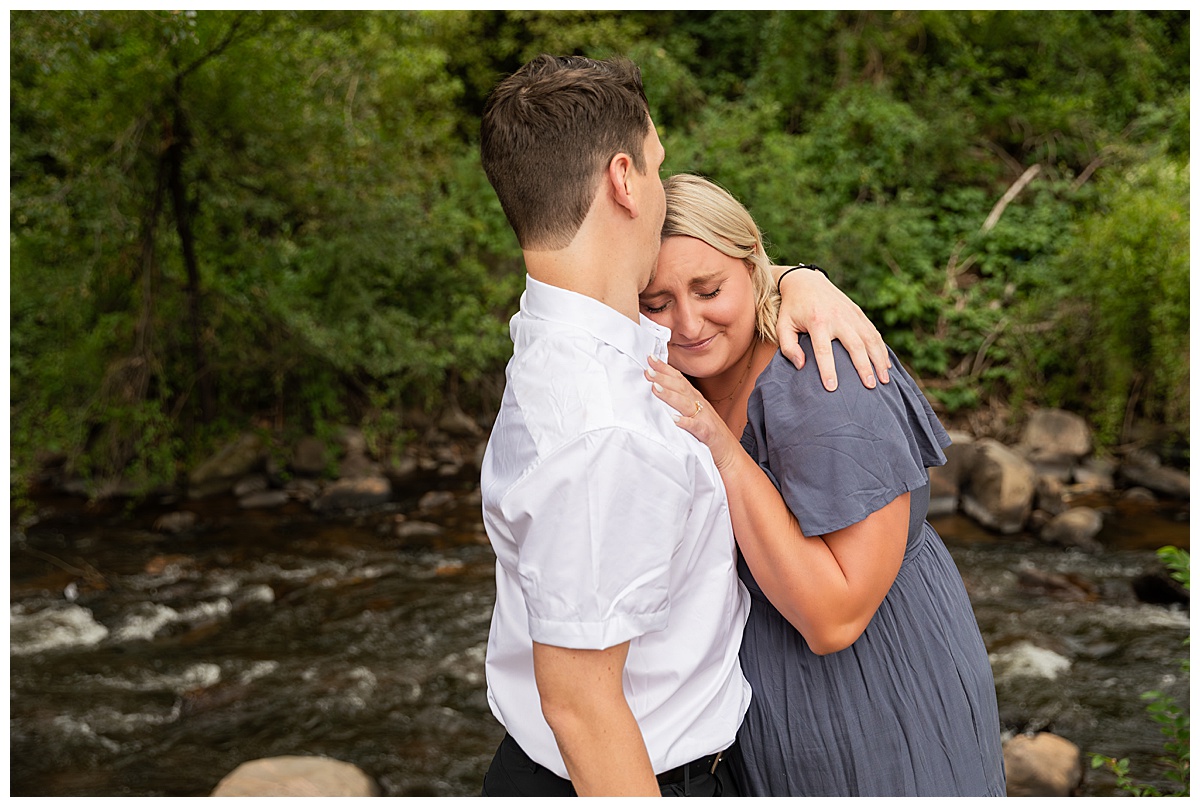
{"points": [[98, 148], [228, 218], [1116, 344], [260, 205]]}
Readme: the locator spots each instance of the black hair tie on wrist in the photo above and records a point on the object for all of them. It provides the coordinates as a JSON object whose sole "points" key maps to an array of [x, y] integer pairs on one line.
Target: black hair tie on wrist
{"points": [[814, 267]]}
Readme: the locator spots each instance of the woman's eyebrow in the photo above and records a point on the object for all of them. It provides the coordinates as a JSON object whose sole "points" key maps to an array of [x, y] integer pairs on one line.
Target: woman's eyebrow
{"points": [[704, 280]]}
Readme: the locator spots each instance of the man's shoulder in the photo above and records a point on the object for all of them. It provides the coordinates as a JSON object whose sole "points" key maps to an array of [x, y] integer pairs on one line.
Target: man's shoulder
{"points": [[554, 345], [563, 389]]}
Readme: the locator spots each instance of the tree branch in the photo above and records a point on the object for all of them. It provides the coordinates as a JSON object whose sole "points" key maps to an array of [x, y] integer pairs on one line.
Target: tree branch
{"points": [[1005, 157], [1018, 186], [228, 41], [1087, 172]]}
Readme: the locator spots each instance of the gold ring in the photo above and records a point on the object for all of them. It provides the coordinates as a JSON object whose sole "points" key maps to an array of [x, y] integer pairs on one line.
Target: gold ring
{"points": [[699, 406]]}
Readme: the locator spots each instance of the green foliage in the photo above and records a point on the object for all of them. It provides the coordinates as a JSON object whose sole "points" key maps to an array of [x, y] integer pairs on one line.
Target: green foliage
{"points": [[1178, 563], [1172, 719], [229, 217], [1125, 781], [1118, 340], [338, 237]]}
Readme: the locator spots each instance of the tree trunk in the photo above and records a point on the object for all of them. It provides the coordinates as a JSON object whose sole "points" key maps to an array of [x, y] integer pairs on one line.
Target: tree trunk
{"points": [[148, 264], [183, 225]]}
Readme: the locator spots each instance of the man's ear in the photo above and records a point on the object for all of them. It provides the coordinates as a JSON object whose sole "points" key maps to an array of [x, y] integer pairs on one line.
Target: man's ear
{"points": [[619, 177]]}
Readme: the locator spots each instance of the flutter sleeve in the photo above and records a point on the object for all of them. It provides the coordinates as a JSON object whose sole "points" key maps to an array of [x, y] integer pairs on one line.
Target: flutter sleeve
{"points": [[836, 457]]}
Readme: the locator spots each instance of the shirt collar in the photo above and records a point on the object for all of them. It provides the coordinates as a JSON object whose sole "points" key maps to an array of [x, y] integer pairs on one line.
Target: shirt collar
{"points": [[637, 340]]}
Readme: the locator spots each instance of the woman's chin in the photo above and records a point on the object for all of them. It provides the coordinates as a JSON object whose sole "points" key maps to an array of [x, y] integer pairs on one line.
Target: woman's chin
{"points": [[692, 369]]}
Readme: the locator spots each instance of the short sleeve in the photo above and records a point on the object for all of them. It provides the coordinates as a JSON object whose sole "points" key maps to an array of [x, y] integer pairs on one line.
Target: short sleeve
{"points": [[839, 456], [596, 524]]}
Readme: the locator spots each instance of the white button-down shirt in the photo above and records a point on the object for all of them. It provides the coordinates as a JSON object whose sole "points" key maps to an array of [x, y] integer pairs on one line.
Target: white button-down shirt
{"points": [[610, 524]]}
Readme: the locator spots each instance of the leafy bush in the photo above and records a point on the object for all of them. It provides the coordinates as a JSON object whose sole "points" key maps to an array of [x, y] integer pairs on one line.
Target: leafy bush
{"points": [[1116, 344], [225, 218]]}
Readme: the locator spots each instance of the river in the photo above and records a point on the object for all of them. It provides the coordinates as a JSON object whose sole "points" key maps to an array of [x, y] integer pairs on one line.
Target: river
{"points": [[148, 664]]}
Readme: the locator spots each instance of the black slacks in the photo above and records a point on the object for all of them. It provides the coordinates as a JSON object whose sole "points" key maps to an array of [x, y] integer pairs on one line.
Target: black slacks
{"points": [[513, 773]]}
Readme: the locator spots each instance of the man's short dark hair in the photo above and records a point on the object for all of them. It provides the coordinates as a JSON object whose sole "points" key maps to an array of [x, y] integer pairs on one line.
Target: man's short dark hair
{"points": [[548, 132]]}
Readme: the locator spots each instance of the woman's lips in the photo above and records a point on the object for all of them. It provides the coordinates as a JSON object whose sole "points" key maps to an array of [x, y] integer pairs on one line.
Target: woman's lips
{"points": [[694, 345]]}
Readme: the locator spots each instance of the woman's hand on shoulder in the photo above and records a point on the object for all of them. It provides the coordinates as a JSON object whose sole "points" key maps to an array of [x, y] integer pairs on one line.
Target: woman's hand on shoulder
{"points": [[694, 414], [812, 304]]}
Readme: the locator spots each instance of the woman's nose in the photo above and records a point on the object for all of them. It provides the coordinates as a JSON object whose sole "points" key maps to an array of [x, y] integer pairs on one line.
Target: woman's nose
{"points": [[687, 320]]}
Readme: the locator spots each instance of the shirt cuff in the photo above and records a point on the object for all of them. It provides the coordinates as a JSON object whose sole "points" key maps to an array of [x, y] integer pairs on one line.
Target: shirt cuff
{"points": [[596, 635]]}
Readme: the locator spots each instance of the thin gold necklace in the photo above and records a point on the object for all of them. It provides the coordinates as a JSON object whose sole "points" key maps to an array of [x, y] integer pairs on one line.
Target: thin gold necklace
{"points": [[741, 380]]}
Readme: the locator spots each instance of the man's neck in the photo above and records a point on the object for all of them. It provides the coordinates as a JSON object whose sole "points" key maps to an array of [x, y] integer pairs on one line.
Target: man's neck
{"points": [[588, 271]]}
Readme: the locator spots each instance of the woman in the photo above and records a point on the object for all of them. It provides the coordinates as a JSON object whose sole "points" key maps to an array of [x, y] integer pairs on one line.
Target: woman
{"points": [[869, 674]]}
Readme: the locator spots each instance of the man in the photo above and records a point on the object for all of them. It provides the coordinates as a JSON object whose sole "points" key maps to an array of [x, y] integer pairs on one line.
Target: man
{"points": [[612, 658]]}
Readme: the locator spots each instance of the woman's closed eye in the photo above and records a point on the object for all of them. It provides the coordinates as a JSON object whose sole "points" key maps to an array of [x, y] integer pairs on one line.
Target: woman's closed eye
{"points": [[658, 309]]}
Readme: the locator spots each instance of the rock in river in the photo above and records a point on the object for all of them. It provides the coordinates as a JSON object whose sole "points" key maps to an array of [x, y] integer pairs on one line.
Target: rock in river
{"points": [[354, 494], [296, 776]]}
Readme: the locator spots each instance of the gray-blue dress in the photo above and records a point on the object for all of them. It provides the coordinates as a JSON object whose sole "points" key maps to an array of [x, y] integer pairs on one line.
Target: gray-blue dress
{"points": [[910, 708]]}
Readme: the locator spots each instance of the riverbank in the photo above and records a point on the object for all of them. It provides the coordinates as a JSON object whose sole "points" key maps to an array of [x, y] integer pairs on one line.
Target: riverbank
{"points": [[1042, 477], [323, 601]]}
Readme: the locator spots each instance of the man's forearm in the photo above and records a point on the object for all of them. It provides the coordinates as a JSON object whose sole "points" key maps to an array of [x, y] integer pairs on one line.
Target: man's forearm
{"points": [[605, 754], [596, 732], [811, 304]]}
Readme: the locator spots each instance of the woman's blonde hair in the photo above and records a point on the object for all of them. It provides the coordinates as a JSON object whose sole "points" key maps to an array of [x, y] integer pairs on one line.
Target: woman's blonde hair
{"points": [[702, 209]]}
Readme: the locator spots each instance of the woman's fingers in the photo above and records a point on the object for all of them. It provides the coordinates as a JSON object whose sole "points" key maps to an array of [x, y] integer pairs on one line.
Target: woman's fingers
{"points": [[695, 415], [687, 402], [674, 389]]}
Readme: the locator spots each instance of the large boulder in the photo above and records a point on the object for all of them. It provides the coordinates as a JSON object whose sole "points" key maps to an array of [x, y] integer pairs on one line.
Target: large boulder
{"points": [[296, 776], [220, 472], [1056, 436], [435, 500], [354, 494], [303, 490], [407, 530], [1095, 475], [450, 460], [1051, 495], [999, 490], [1042, 764], [1076, 527], [1146, 470], [351, 440], [356, 462], [1138, 497], [401, 470], [945, 481]]}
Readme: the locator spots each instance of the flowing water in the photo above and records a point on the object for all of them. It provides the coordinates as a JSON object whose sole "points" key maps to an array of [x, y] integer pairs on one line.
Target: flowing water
{"points": [[144, 664]]}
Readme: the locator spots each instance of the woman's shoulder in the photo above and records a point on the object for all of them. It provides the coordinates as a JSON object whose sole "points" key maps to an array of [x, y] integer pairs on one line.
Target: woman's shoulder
{"points": [[790, 398], [807, 380], [804, 386], [787, 403]]}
